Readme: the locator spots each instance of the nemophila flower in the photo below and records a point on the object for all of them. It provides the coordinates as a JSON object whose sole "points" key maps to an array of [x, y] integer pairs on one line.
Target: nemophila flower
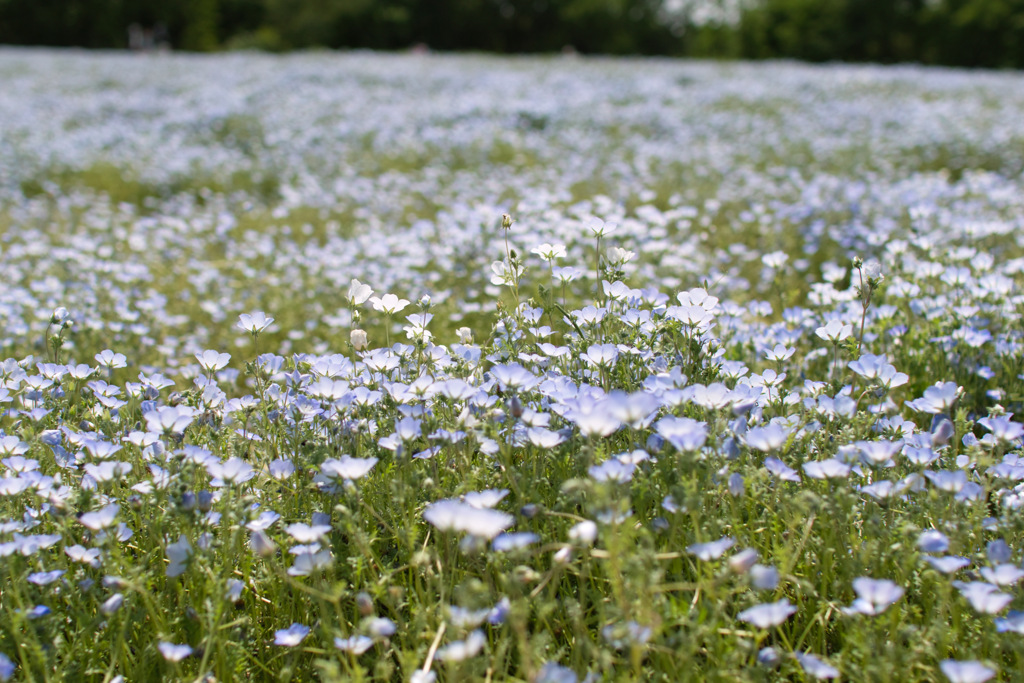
{"points": [[984, 597], [7, 668], [111, 360], [347, 467], [815, 667], [1013, 623], [460, 650], [304, 533], [768, 438], [355, 645], [592, 416], [254, 323], [937, 399], [1003, 574], [89, 556], [263, 521], [612, 470], [946, 480], [514, 376], [211, 360], [683, 433], [624, 635], [422, 676], [998, 551], [781, 470], [543, 438], [169, 419], [711, 550], [549, 252], [309, 559], [281, 469], [764, 577], [741, 562], [584, 532], [261, 544], [172, 652], [1003, 430], [358, 293], [45, 578], [231, 473], [878, 452], [454, 515], [826, 469], [553, 672], [933, 541], [101, 519], [233, 590], [12, 445], [487, 498], [834, 331], [565, 274], [780, 353], [18, 464], [291, 636], [635, 410], [874, 596], [948, 565], [966, 672], [178, 555], [463, 618], [389, 304], [768, 615], [112, 604], [380, 627]]}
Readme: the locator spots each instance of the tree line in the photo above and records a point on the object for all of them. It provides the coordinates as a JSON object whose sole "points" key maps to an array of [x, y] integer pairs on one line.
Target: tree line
{"points": [[974, 33]]}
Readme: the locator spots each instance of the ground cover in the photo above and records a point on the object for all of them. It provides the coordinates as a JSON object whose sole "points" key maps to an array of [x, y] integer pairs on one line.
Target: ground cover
{"points": [[398, 367]]}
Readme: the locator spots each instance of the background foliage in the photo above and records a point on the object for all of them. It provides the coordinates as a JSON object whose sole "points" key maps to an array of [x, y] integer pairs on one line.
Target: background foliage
{"points": [[977, 33]]}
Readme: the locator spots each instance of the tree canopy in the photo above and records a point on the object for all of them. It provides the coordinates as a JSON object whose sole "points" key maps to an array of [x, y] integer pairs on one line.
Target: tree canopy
{"points": [[984, 33]]}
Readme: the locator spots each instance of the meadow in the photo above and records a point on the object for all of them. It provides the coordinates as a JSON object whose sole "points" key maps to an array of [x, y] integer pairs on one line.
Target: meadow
{"points": [[356, 366]]}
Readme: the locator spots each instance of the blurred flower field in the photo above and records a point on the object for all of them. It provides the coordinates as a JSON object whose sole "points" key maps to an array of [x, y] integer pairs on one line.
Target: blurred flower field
{"points": [[401, 367]]}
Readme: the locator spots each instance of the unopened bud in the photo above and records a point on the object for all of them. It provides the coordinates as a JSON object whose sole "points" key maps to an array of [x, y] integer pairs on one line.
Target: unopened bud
{"points": [[261, 544], [506, 221], [358, 339]]}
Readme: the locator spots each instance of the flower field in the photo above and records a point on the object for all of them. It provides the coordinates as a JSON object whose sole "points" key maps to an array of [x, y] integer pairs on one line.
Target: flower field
{"points": [[412, 368]]}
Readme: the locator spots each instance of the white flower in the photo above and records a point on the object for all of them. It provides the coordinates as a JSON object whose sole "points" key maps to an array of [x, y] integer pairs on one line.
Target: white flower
{"points": [[388, 304], [254, 323], [358, 339], [549, 252], [212, 361], [834, 331], [358, 293]]}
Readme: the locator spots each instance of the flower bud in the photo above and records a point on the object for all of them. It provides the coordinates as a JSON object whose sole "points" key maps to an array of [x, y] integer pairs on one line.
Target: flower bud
{"points": [[358, 339], [112, 604], [506, 221], [261, 544], [741, 562]]}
